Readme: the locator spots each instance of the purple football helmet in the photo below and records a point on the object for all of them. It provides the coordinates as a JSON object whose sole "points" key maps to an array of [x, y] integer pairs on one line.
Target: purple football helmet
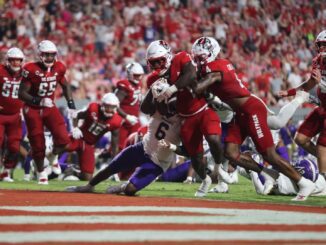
{"points": [[307, 168]]}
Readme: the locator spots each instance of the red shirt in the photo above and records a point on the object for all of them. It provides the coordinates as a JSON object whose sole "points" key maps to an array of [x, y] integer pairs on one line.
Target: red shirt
{"points": [[96, 125], [231, 86], [43, 81], [9, 84], [187, 103], [319, 63], [130, 104]]}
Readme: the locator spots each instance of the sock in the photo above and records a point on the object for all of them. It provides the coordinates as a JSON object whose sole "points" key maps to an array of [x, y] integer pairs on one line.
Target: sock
{"points": [[27, 164]]}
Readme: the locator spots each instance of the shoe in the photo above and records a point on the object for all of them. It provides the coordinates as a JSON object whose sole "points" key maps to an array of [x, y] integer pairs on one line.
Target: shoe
{"points": [[80, 189], [116, 189], [56, 169], [234, 177], [221, 187], [5, 176], [269, 183], [224, 175], [8, 179], [27, 177], [43, 178], [306, 187], [313, 100], [204, 187]]}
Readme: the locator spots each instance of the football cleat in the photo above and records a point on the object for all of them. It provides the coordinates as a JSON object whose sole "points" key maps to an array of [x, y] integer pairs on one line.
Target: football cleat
{"points": [[80, 189], [221, 187], [204, 187]]}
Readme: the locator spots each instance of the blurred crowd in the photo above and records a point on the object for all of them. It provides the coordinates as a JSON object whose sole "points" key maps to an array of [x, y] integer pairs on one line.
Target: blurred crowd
{"points": [[271, 43]]}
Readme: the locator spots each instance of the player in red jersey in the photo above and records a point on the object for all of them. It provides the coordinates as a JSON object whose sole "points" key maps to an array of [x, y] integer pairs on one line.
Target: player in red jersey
{"points": [[198, 119], [10, 105], [98, 118], [218, 76], [315, 122], [128, 92], [39, 82]]}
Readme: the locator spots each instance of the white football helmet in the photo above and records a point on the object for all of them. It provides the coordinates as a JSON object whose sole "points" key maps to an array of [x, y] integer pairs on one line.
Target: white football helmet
{"points": [[47, 52], [159, 56], [134, 72], [159, 86], [110, 103], [12, 55], [205, 50], [321, 38]]}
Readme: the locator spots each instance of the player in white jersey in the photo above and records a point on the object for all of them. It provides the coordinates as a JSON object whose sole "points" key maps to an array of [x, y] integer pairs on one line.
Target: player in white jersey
{"points": [[148, 156], [284, 186]]}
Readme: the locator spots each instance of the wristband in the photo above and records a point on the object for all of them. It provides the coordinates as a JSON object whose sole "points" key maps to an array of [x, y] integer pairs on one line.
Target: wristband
{"points": [[292, 92], [173, 147], [36, 100], [71, 104]]}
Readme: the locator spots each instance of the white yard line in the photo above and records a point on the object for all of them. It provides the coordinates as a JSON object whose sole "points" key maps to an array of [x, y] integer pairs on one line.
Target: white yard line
{"points": [[217, 215], [165, 219], [154, 235]]}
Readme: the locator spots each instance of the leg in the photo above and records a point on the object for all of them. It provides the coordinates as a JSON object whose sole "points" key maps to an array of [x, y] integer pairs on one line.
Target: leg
{"points": [[306, 143], [215, 147]]}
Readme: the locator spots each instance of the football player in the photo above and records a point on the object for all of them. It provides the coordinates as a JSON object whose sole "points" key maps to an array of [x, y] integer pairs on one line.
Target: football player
{"points": [[149, 159], [37, 90], [128, 92], [198, 119], [98, 119], [315, 122], [218, 76], [10, 106]]}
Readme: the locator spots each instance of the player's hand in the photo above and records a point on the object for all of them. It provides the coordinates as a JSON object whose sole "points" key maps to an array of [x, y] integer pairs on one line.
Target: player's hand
{"points": [[167, 93], [282, 93], [316, 74], [77, 133], [164, 144], [132, 119], [46, 102], [188, 180]]}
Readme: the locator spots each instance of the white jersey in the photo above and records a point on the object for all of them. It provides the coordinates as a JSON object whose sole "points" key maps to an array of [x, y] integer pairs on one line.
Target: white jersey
{"points": [[287, 187], [161, 127]]}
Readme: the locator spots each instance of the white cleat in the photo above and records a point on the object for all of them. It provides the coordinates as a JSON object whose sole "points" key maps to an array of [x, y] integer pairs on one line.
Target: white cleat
{"points": [[224, 175], [7, 179], [204, 187], [221, 187], [43, 178], [27, 177], [306, 187], [56, 168], [234, 177]]}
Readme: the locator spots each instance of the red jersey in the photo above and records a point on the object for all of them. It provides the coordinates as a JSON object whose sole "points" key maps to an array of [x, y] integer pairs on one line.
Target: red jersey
{"points": [[187, 102], [320, 63], [95, 124], [9, 84], [131, 103], [231, 86], [43, 80]]}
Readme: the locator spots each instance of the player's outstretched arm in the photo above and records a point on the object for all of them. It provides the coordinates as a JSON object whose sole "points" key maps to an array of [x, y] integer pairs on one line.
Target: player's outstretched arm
{"points": [[208, 80]]}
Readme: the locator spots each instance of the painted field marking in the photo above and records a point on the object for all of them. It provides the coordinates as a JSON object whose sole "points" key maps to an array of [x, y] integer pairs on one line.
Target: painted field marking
{"points": [[216, 216], [155, 235]]}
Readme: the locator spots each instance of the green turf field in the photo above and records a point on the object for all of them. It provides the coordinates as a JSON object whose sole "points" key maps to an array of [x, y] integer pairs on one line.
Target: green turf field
{"points": [[242, 191]]}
